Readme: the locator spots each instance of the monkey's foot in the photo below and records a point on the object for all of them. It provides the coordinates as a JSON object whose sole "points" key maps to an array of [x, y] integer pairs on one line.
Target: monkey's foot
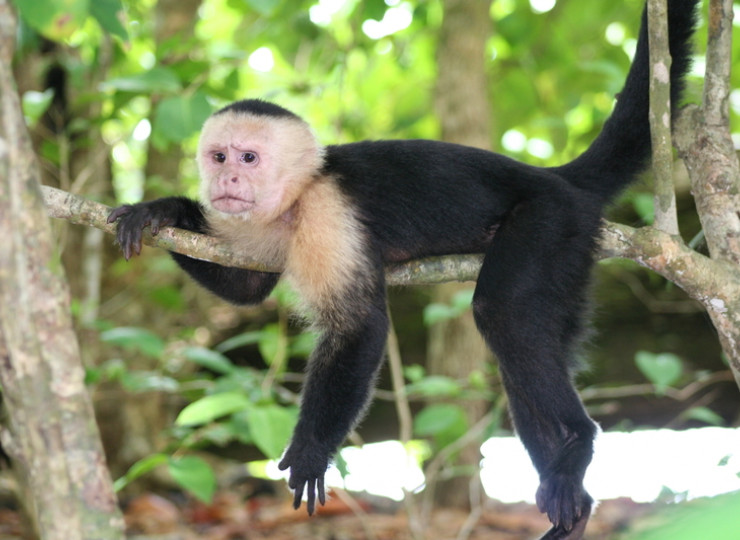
{"points": [[576, 533], [566, 504]]}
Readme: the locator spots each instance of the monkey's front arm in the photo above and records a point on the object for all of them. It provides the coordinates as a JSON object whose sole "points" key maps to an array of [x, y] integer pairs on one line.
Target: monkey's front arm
{"points": [[339, 383], [235, 285]]}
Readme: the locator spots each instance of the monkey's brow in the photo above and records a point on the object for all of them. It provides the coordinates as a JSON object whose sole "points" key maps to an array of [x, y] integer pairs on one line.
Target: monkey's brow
{"points": [[241, 148]]}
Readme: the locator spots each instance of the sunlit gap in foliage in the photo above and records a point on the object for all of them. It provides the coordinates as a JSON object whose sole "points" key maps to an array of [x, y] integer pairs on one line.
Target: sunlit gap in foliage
{"points": [[641, 465], [616, 33], [324, 10], [542, 6], [735, 106], [142, 130], [262, 60], [516, 141], [395, 19]]}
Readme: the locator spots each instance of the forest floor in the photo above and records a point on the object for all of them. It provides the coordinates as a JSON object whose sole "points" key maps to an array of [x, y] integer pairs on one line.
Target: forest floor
{"points": [[232, 517]]}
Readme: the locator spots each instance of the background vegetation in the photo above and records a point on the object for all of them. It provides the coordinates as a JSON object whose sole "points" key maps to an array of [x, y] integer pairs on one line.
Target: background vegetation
{"points": [[115, 94]]}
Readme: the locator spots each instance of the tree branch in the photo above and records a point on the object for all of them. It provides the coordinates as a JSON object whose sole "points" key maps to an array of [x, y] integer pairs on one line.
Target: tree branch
{"points": [[657, 250], [666, 217], [81, 211]]}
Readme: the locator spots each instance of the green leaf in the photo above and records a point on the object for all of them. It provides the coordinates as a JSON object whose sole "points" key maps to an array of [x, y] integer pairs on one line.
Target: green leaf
{"points": [[414, 373], [435, 386], [644, 205], [209, 359], [133, 338], [374, 9], [140, 468], [271, 427], [195, 475], [438, 419], [264, 7], [435, 312], [147, 381], [158, 80], [247, 338], [462, 300], [704, 414], [303, 344], [55, 19], [108, 13], [662, 369], [209, 408], [178, 117], [238, 424], [169, 297], [35, 104], [270, 343]]}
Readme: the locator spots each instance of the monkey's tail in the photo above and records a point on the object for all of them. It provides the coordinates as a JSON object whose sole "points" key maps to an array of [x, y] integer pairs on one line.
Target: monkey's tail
{"points": [[623, 148]]}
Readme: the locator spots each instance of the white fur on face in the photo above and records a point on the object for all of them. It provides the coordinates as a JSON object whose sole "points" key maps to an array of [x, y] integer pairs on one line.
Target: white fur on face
{"points": [[284, 157]]}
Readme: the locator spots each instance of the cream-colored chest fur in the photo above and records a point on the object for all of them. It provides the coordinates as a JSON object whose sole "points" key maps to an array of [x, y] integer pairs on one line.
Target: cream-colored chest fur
{"points": [[326, 256], [266, 243]]}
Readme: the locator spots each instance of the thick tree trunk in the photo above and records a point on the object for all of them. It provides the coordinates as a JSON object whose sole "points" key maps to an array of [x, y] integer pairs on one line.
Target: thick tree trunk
{"points": [[456, 349], [50, 431]]}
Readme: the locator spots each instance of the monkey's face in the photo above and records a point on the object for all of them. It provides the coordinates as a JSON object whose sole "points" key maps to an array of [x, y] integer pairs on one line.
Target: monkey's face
{"points": [[253, 166]]}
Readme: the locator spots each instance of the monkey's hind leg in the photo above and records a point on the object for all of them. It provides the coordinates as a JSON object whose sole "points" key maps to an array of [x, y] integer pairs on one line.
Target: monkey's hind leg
{"points": [[528, 304]]}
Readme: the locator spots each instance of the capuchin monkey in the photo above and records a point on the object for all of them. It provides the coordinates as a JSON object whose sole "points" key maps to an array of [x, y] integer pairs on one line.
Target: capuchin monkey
{"points": [[332, 217]]}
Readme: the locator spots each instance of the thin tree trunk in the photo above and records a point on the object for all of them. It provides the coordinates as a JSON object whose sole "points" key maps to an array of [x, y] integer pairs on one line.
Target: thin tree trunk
{"points": [[456, 348]]}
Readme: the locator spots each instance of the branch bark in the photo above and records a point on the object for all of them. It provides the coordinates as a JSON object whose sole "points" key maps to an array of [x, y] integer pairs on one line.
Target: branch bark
{"points": [[704, 143], [666, 217]]}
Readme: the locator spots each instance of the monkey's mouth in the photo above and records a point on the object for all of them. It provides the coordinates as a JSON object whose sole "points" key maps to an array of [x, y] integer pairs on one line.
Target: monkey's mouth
{"points": [[232, 205]]}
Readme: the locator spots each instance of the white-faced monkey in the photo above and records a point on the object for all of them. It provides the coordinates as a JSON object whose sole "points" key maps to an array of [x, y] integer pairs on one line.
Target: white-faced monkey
{"points": [[333, 216]]}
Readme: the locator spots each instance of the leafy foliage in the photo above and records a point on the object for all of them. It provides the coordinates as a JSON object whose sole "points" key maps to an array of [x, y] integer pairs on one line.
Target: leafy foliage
{"points": [[352, 75]]}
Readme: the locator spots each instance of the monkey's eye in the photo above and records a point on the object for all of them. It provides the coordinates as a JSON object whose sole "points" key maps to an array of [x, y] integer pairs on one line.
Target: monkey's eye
{"points": [[219, 157], [248, 157]]}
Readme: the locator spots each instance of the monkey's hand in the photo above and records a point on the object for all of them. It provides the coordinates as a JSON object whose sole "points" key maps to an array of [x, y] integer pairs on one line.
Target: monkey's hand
{"points": [[132, 218], [307, 464]]}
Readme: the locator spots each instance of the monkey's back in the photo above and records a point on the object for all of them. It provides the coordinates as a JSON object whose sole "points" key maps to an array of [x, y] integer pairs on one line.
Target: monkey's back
{"points": [[420, 198]]}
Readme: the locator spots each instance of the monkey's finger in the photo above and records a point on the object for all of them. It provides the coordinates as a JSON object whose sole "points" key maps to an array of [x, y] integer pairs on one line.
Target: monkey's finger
{"points": [[322, 493], [311, 496], [123, 241], [298, 496], [155, 225], [129, 238], [118, 212]]}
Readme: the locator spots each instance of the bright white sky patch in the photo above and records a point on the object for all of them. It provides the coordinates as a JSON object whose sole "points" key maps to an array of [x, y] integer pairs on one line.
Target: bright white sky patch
{"points": [[142, 130], [735, 101], [636, 465], [616, 33], [514, 141], [262, 60], [697, 462], [322, 13], [542, 6], [395, 19], [540, 148]]}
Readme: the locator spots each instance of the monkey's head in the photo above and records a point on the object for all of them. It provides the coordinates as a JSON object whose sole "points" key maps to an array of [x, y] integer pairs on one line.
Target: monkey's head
{"points": [[254, 159]]}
